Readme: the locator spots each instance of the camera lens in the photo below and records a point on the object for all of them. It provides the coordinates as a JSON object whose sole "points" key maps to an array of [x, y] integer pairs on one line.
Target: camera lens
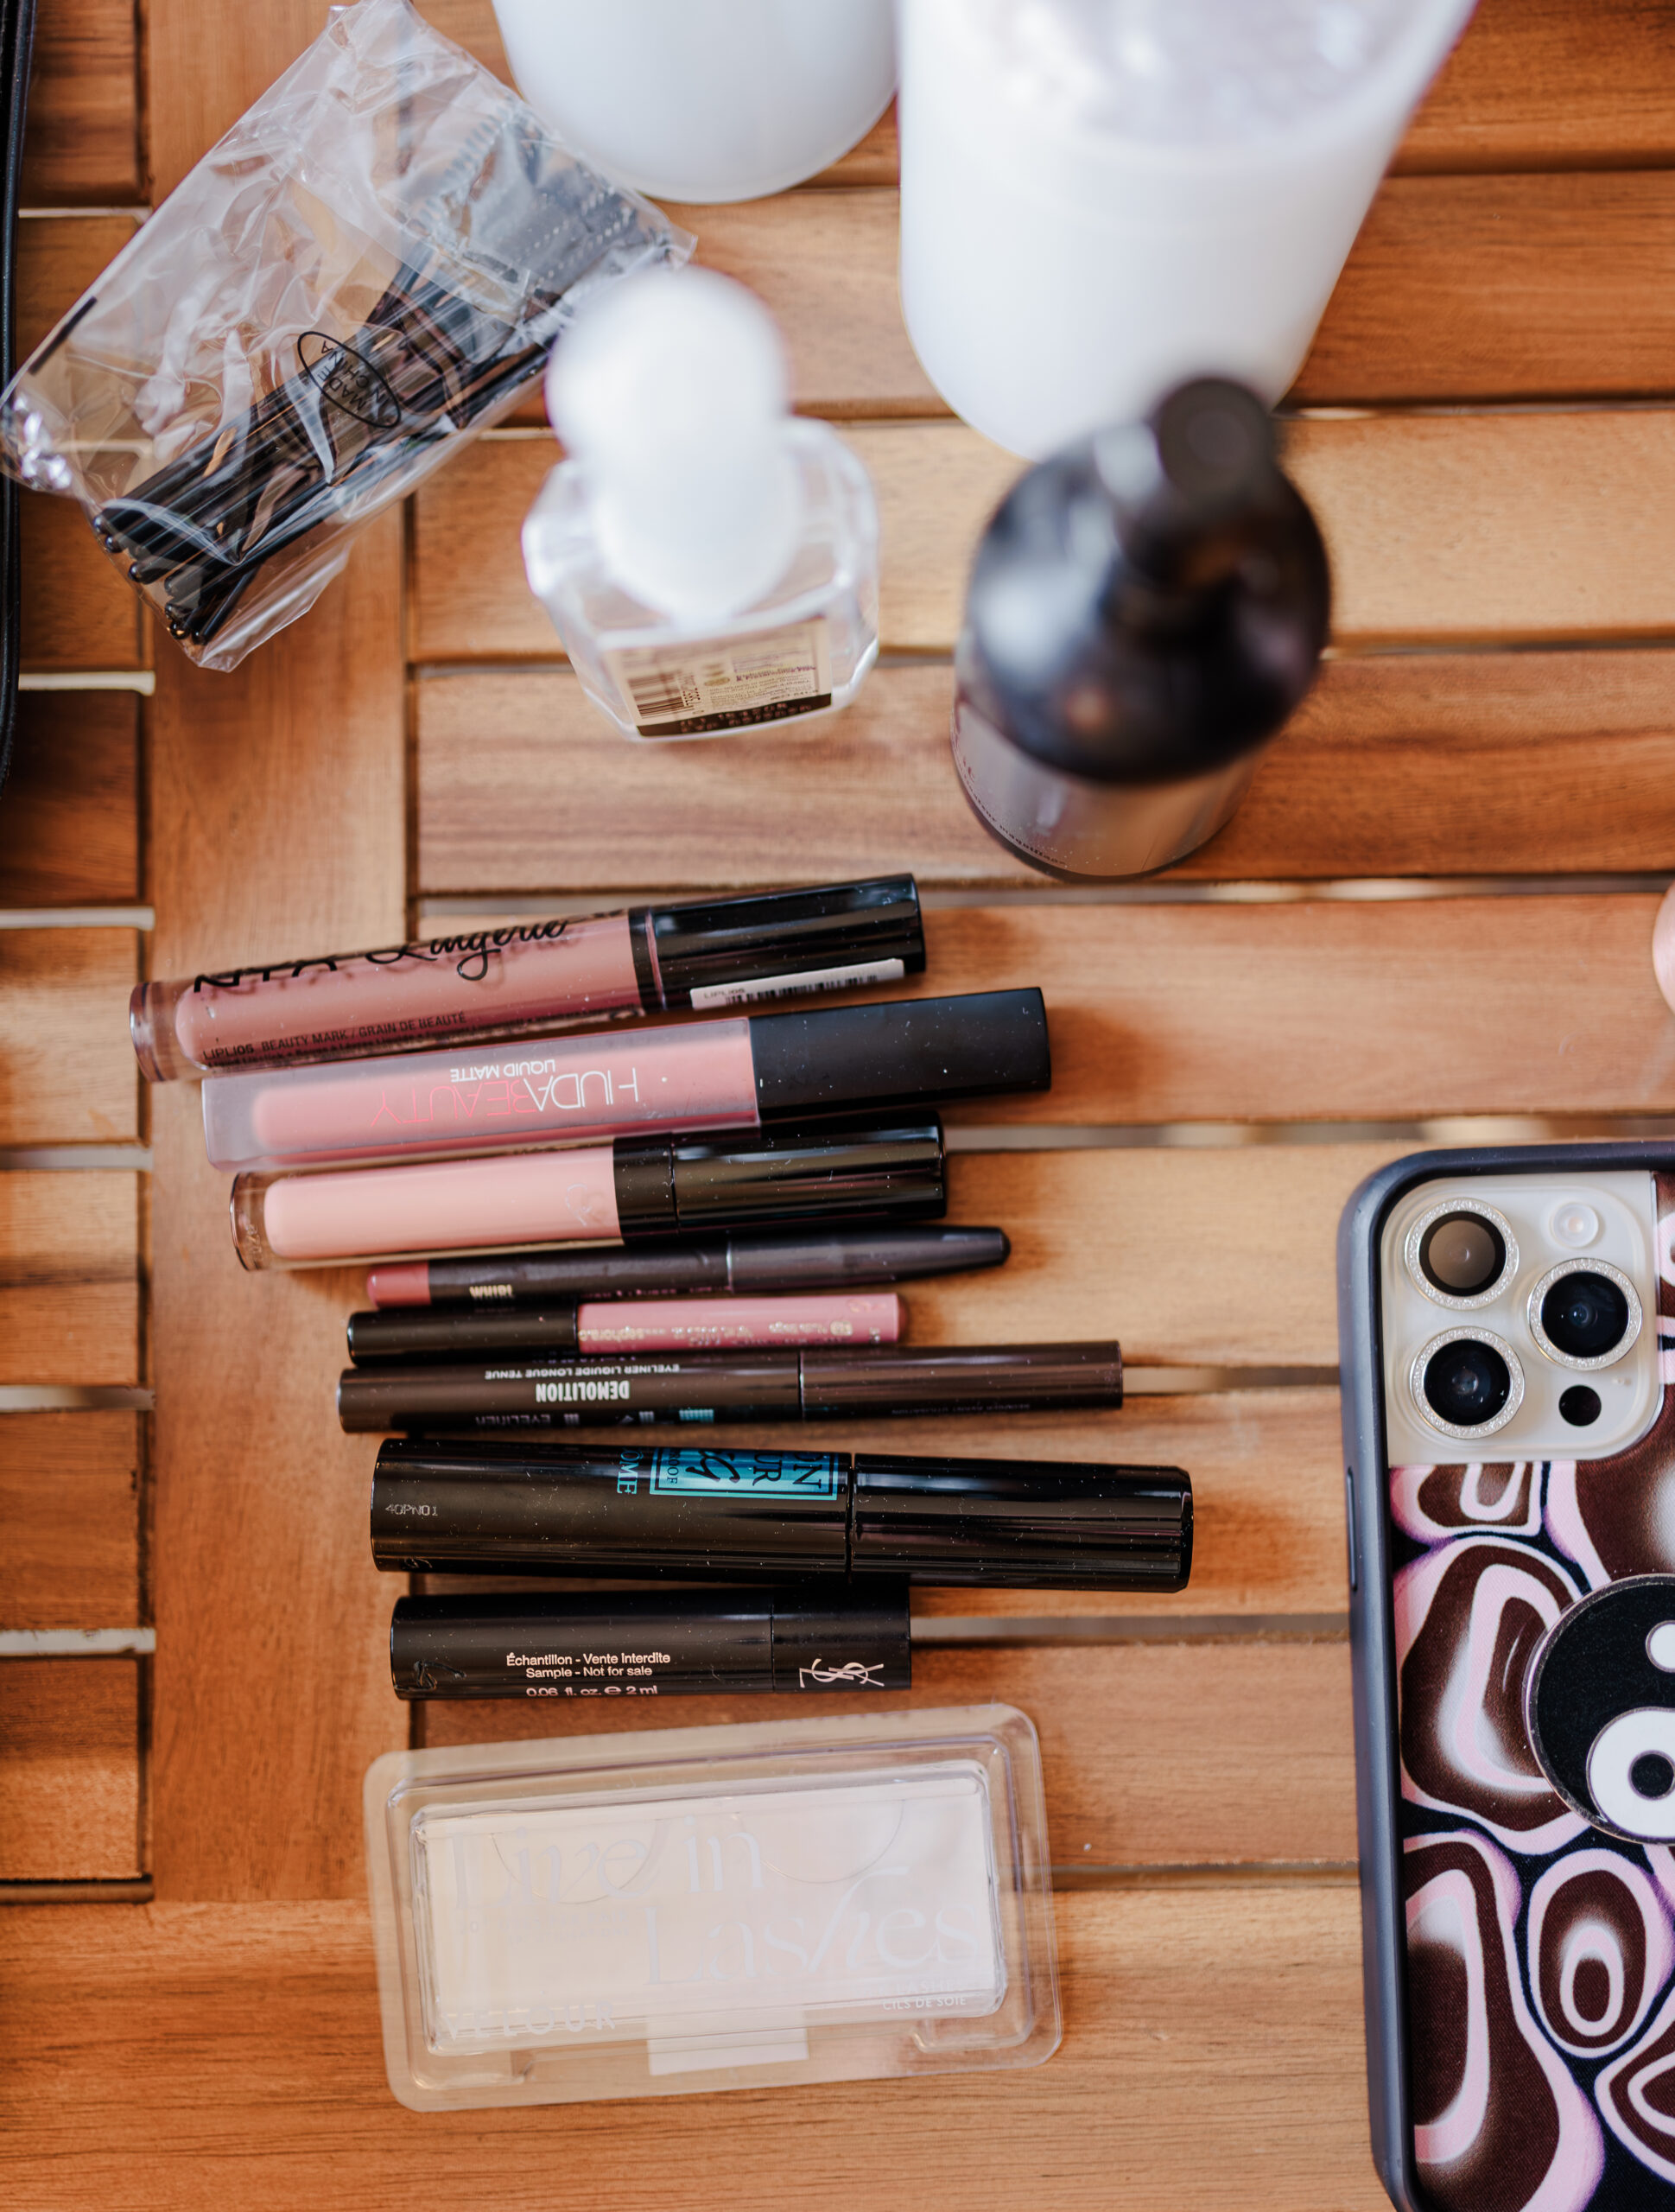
{"points": [[1462, 1254], [1584, 1315], [1466, 1383]]}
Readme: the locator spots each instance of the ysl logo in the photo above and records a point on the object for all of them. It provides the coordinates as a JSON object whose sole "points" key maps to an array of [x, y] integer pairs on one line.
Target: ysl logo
{"points": [[856, 1674]]}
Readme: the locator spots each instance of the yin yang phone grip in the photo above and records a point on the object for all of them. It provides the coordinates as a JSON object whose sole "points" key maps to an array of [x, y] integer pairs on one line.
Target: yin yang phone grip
{"points": [[1414, 1853]]}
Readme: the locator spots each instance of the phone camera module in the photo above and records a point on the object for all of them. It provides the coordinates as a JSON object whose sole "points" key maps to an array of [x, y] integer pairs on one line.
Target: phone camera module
{"points": [[1467, 1382], [1461, 1253], [1584, 1313]]}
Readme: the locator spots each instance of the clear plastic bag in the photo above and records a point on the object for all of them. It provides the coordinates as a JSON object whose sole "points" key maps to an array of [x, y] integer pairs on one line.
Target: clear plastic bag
{"points": [[371, 266]]}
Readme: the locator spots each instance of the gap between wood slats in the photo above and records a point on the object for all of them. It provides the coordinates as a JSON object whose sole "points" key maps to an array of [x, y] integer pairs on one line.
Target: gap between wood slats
{"points": [[1447, 529], [1568, 757], [1224, 2020]]}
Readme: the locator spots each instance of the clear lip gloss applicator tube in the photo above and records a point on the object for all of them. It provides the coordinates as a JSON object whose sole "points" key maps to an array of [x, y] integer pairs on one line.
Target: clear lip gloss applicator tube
{"points": [[537, 975], [727, 1074], [613, 1194]]}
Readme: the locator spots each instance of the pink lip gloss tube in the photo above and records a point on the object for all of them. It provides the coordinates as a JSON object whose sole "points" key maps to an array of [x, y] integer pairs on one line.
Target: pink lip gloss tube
{"points": [[531, 975], [727, 1074], [600, 1327], [644, 1187]]}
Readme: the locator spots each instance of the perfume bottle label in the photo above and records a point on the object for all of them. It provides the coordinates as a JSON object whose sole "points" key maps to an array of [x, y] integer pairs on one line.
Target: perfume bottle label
{"points": [[544, 1923], [691, 688]]}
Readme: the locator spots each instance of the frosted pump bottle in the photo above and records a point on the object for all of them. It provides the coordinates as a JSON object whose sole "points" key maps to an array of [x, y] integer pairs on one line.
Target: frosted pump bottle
{"points": [[704, 99], [1101, 198], [710, 561]]}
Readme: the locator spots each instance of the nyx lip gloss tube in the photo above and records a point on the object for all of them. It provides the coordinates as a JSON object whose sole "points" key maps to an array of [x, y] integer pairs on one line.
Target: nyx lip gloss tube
{"points": [[644, 1644], [602, 1194], [513, 1393], [719, 952], [739, 1264], [723, 1516], [600, 1327], [702, 1075]]}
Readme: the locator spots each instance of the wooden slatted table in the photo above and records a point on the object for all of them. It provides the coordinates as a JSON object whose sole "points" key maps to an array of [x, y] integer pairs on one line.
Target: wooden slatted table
{"points": [[1431, 919]]}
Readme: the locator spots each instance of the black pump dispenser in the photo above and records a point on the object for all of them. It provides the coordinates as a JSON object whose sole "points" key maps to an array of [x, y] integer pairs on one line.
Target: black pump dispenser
{"points": [[1144, 611]]}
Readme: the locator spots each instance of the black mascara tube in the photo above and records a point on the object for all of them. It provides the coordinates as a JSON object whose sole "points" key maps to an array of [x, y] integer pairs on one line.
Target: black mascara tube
{"points": [[644, 1644], [724, 1516]]}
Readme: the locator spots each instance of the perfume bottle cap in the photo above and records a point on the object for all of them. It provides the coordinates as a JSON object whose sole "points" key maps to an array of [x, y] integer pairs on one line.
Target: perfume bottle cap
{"points": [[671, 393]]}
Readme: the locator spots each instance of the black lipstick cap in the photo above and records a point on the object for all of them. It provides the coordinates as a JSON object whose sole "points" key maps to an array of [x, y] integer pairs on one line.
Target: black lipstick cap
{"points": [[718, 947], [900, 1052], [895, 1170], [648, 1643], [1023, 1525]]}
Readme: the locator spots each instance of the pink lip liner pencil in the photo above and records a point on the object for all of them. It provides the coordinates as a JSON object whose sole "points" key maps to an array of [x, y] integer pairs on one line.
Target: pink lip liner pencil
{"points": [[702, 1075], [713, 953]]}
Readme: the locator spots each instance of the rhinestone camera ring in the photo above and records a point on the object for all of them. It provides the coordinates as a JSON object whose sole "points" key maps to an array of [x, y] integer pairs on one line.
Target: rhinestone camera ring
{"points": [[1414, 1241], [1625, 1342], [1422, 1359]]}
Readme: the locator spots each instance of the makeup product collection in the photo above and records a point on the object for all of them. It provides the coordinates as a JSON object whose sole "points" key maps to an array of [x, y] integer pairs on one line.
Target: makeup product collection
{"points": [[739, 1194], [607, 1172], [593, 1232]]}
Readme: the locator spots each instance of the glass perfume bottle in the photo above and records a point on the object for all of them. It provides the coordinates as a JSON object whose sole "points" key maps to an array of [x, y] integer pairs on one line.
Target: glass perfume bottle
{"points": [[710, 562]]}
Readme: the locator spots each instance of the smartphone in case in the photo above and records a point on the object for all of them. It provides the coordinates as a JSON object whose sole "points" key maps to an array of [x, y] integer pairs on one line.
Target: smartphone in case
{"points": [[1506, 1324]]}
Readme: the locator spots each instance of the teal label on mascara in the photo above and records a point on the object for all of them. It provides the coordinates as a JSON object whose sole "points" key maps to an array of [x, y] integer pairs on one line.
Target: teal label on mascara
{"points": [[690, 1474]]}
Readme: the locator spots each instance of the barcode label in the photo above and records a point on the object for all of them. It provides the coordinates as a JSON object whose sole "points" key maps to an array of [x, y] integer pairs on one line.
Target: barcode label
{"points": [[707, 996], [692, 690]]}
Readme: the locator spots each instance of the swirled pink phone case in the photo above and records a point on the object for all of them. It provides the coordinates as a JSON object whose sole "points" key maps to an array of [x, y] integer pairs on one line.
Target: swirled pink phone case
{"points": [[1509, 1423]]}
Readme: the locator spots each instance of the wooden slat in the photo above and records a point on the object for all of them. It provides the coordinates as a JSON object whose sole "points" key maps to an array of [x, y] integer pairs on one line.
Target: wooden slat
{"points": [[69, 1277], [1441, 530], [80, 611], [277, 792], [1223, 1257], [69, 815], [69, 1504], [825, 262], [1270, 1775], [1365, 781], [1317, 1010], [58, 258], [1552, 83], [82, 147], [1486, 288], [70, 1073], [1502, 288], [1533, 85], [1213, 2056], [69, 1768]]}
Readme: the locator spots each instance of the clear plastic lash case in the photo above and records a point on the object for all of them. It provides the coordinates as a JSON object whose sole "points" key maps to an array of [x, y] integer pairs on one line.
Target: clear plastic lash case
{"points": [[844, 1898]]}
